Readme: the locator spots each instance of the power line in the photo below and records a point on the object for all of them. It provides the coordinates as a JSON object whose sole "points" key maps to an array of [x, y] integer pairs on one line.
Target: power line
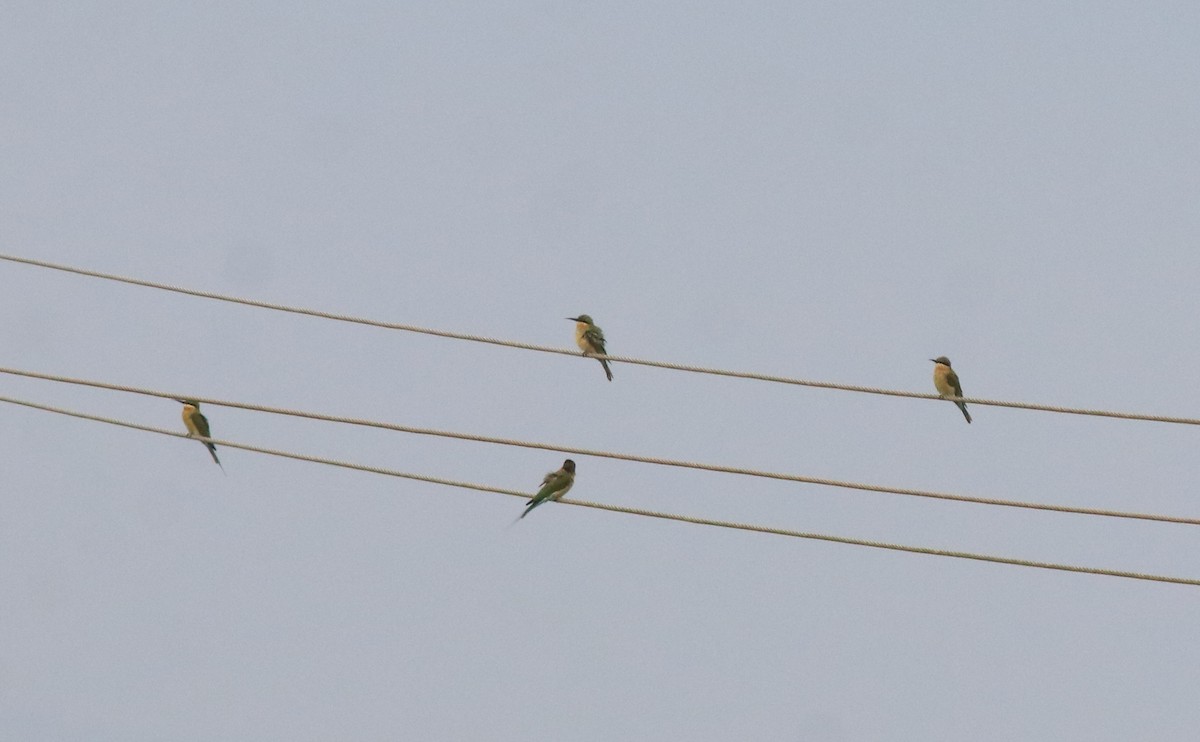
{"points": [[821, 481], [627, 510], [620, 359]]}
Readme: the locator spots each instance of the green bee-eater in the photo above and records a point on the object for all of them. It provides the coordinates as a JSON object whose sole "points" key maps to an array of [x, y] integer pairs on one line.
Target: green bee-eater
{"points": [[197, 425], [946, 382], [590, 340], [554, 486]]}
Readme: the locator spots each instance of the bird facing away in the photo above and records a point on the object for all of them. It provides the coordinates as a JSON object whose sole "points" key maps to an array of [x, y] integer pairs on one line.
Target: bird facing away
{"points": [[554, 486], [197, 425], [590, 340], [946, 382]]}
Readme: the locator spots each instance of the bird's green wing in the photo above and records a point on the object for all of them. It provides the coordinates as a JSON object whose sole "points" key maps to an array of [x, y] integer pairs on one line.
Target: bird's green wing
{"points": [[553, 484], [953, 379], [595, 336], [549, 485], [201, 425]]}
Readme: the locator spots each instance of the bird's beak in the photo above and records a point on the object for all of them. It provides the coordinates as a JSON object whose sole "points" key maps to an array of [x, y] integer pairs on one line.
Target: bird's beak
{"points": [[573, 319], [180, 401], [933, 359]]}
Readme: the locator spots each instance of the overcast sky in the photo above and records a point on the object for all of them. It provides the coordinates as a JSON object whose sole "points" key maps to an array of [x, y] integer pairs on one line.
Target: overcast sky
{"points": [[834, 191]]}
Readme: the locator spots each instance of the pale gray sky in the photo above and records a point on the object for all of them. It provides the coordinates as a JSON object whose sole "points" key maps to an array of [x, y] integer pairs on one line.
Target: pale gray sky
{"points": [[835, 191]]}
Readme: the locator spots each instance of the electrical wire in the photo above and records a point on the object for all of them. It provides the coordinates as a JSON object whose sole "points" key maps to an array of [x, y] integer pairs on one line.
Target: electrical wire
{"points": [[825, 482], [615, 358], [627, 510]]}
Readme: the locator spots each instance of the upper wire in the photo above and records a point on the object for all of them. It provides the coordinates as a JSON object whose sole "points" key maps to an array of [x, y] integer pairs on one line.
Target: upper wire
{"points": [[1176, 420]]}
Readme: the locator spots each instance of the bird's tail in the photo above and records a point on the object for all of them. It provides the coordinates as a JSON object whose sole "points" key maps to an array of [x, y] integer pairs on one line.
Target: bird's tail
{"points": [[607, 370], [213, 451], [533, 503], [963, 406]]}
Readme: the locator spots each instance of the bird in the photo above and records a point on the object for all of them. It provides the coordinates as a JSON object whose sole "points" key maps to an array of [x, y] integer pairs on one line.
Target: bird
{"points": [[945, 380], [197, 426], [554, 486], [590, 340]]}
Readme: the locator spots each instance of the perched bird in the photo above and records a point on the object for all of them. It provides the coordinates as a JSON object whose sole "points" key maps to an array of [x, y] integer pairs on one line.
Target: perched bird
{"points": [[946, 382], [197, 425], [554, 486], [590, 340]]}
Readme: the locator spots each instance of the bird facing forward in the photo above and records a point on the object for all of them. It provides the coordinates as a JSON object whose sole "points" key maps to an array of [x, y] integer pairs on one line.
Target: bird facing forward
{"points": [[197, 426], [590, 340], [945, 380]]}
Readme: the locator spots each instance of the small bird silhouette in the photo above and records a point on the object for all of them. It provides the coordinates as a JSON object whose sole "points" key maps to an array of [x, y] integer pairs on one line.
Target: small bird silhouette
{"points": [[554, 486], [197, 425], [590, 340], [945, 380]]}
